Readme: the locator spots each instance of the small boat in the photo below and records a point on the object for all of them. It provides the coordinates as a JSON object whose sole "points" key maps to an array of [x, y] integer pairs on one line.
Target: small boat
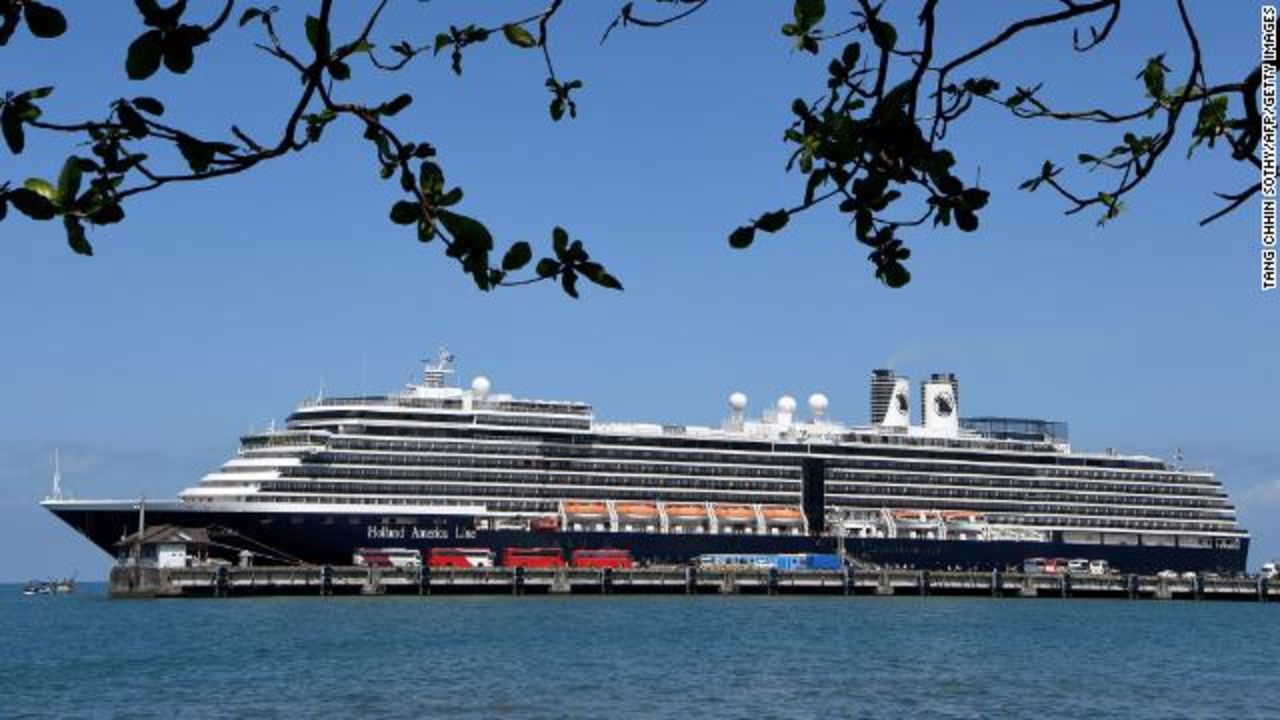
{"points": [[62, 586], [783, 516], [638, 511], [739, 514], [586, 511], [686, 514]]}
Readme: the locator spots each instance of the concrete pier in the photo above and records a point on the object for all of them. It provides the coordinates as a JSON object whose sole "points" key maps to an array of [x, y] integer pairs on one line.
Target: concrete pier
{"points": [[224, 581]]}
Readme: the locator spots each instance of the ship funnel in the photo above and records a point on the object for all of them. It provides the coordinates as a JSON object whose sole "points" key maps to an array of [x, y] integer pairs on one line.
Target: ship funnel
{"points": [[890, 399], [941, 400]]}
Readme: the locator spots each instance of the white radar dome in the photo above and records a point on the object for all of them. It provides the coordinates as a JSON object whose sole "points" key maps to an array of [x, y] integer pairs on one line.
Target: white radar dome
{"points": [[738, 402], [786, 404], [480, 386], [818, 404]]}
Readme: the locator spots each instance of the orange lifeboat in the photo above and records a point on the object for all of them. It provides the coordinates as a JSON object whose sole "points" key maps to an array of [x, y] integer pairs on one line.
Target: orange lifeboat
{"points": [[786, 516], [735, 514], [586, 510], [638, 511], [686, 514]]}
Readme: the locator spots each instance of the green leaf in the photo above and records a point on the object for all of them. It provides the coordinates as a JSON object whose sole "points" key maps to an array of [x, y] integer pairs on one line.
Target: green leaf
{"points": [[405, 212], [197, 154], [966, 220], [42, 187], [852, 52], [69, 182], [11, 125], [517, 256], [250, 15], [131, 120], [394, 106], [742, 237], [518, 36], [467, 231], [340, 70], [44, 21], [144, 55], [107, 214], [1153, 76], [773, 221], [569, 281], [983, 86], [318, 36], [560, 241], [894, 275], [453, 197], [443, 40], [809, 13], [884, 34], [32, 204], [547, 267], [179, 53], [149, 105], [603, 279], [75, 235]]}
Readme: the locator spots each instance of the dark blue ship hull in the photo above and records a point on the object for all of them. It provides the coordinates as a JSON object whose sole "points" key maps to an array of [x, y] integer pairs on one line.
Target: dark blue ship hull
{"points": [[317, 538]]}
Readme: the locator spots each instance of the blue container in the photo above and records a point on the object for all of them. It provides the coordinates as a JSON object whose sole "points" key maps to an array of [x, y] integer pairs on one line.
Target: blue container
{"points": [[790, 562], [816, 561]]}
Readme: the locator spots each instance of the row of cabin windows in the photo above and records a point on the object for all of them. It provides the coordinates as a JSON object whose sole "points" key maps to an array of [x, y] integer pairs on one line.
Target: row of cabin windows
{"points": [[494, 478], [1208, 497], [866, 489], [484, 491], [1047, 500], [592, 442], [607, 451]]}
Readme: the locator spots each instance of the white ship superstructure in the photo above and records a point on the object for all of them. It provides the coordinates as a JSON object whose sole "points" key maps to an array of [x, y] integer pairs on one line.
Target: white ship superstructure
{"points": [[514, 462]]}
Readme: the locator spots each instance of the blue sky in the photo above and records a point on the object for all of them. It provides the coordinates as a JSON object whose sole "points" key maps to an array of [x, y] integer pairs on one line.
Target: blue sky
{"points": [[216, 308]]}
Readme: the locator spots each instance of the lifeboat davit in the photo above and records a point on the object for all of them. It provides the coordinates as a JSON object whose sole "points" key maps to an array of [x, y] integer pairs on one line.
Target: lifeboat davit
{"points": [[735, 514], [784, 516], [964, 520], [686, 514], [586, 511], [638, 511]]}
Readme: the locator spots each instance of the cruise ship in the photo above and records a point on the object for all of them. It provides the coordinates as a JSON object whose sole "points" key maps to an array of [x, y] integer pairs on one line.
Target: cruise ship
{"points": [[441, 466]]}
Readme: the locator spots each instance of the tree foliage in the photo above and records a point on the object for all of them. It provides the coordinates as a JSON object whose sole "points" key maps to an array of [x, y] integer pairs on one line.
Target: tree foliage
{"points": [[872, 144]]}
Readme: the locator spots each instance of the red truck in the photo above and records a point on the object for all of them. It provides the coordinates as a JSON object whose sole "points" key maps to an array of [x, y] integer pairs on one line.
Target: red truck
{"points": [[620, 559], [533, 557]]}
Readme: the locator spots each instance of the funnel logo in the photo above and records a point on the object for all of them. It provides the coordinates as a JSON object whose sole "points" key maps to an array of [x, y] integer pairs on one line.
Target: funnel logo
{"points": [[943, 405], [901, 400]]}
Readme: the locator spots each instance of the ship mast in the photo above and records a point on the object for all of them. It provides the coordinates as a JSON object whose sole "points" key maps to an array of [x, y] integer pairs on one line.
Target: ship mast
{"points": [[57, 475], [437, 369]]}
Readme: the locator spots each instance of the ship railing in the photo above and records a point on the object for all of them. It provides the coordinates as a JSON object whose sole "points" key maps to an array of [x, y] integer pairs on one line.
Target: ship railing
{"points": [[557, 408]]}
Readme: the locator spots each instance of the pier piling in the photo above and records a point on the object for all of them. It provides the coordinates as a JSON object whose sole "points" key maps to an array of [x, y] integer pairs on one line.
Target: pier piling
{"points": [[224, 581]]}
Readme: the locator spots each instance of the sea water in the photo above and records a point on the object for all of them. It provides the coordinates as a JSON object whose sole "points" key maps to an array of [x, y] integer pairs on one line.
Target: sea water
{"points": [[655, 656]]}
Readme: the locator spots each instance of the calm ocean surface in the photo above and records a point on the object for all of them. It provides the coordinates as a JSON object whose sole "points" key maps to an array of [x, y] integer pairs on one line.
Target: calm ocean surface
{"points": [[676, 657]]}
